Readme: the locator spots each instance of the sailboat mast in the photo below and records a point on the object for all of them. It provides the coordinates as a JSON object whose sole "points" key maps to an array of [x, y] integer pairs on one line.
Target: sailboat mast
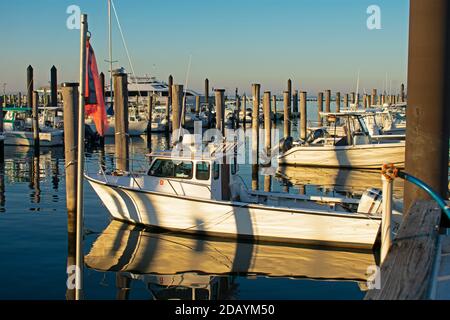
{"points": [[110, 52]]}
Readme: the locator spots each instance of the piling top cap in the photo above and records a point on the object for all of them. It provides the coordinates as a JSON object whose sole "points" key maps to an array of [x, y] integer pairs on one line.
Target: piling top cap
{"points": [[219, 90], [119, 71], [70, 84]]}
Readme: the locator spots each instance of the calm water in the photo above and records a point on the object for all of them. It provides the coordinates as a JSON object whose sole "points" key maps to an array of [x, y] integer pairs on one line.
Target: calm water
{"points": [[34, 244]]}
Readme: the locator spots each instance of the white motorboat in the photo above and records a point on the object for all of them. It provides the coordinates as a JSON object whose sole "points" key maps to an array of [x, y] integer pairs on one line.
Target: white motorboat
{"points": [[356, 149], [194, 194]]}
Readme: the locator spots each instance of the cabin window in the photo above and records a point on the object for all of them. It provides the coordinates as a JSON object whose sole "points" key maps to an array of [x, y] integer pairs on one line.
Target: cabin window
{"points": [[216, 170], [202, 170], [171, 169]]}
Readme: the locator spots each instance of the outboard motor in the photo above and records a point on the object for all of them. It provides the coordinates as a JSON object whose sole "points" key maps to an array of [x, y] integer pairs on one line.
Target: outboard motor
{"points": [[285, 144]]}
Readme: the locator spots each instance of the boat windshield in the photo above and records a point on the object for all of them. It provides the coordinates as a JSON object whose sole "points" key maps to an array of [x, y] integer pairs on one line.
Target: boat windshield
{"points": [[166, 168]]}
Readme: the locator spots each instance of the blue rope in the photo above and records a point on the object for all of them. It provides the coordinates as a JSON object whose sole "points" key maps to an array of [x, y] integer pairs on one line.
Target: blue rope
{"points": [[427, 188]]}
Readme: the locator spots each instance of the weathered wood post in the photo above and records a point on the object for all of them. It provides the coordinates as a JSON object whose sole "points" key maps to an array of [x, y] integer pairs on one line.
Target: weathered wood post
{"points": [[357, 100], [121, 120], [208, 106], [328, 101], [244, 108], [53, 87], [346, 104], [177, 103], [303, 115], [287, 115], [197, 105], [101, 138], [220, 110], [365, 101], [295, 102], [267, 126], [149, 121], [402, 93], [289, 89], [30, 86], [427, 132], [255, 135], [70, 97], [238, 111], [338, 102], [386, 229], [169, 104], [274, 110], [353, 96], [320, 108], [35, 122], [374, 97]]}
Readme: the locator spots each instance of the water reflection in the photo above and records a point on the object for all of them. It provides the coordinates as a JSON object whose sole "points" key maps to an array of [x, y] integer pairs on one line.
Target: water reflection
{"points": [[183, 267]]}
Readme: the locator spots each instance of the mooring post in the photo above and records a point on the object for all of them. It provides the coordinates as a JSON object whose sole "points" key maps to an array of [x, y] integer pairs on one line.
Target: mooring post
{"points": [[374, 97], [197, 105], [346, 104], [353, 97], [274, 110], [238, 111], [220, 110], [101, 138], [287, 115], [244, 111], [328, 101], [70, 105], [30, 87], [320, 108], [169, 105], [338, 102], [303, 115], [365, 101], [289, 89], [295, 102], [256, 88], [53, 87], [149, 121], [402, 93], [208, 107], [177, 103], [427, 132], [267, 126], [121, 120], [35, 119], [357, 100], [386, 229]]}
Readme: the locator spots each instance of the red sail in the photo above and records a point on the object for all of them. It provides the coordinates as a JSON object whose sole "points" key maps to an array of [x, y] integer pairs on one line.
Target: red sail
{"points": [[95, 102]]}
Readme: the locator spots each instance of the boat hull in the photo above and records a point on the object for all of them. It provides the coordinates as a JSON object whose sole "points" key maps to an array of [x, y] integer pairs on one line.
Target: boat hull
{"points": [[360, 156], [25, 138], [236, 219]]}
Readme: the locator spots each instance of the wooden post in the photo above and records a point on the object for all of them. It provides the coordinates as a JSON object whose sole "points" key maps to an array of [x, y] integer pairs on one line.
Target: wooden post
{"points": [[255, 136], [303, 115], [287, 115], [374, 97], [53, 87], [35, 122], [238, 111], [177, 104], [328, 101], [402, 93], [386, 230], [121, 120], [357, 100], [267, 183], [274, 110], [365, 101], [353, 96], [427, 132], [346, 103], [101, 138], [267, 126], [244, 107], [70, 97], [320, 108], [169, 104], [149, 122], [220, 110], [295, 102], [208, 106], [289, 89], [30, 86], [338, 102], [197, 105]]}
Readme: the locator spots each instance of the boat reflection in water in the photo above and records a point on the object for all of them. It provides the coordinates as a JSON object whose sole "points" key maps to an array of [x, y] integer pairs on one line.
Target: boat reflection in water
{"points": [[177, 266], [344, 181]]}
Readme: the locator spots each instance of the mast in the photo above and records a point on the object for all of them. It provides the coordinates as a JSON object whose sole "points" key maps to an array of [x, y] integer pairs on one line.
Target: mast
{"points": [[110, 52]]}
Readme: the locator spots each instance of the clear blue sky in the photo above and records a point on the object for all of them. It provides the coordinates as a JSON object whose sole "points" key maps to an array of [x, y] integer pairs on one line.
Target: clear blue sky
{"points": [[319, 44]]}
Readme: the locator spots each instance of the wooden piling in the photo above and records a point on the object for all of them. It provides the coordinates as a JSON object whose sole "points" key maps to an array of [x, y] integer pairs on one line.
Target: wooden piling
{"points": [[169, 104], [320, 108], [197, 105], [402, 93], [328, 101], [53, 87], [353, 96], [121, 120], [220, 110], [102, 83], [274, 110], [295, 102], [365, 101], [287, 115], [208, 106], [35, 122], [346, 103], [238, 111], [427, 132], [30, 86], [267, 126], [149, 121], [177, 104], [255, 136], [70, 98], [374, 97], [338, 102], [289, 89], [303, 115], [244, 108]]}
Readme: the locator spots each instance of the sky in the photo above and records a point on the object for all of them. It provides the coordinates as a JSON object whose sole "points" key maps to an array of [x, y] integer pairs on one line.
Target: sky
{"points": [[319, 44]]}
